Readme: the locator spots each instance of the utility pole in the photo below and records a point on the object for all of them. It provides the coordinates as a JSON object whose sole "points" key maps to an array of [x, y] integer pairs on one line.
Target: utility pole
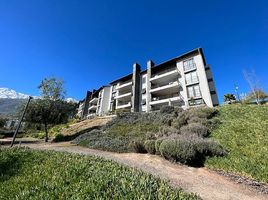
{"points": [[18, 127]]}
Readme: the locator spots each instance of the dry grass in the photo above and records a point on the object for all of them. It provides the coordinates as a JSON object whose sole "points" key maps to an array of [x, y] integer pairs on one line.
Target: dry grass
{"points": [[85, 124]]}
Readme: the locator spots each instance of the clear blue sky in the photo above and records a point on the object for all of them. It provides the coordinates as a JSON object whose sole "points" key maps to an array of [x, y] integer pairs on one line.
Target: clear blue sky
{"points": [[90, 43]]}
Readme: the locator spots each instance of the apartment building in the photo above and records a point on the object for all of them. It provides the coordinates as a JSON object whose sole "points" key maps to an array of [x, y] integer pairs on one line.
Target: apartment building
{"points": [[184, 81]]}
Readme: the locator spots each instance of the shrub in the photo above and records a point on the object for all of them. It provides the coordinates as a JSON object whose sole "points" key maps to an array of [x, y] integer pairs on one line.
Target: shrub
{"points": [[166, 131], [180, 121], [195, 128], [137, 146], [201, 112], [118, 112], [178, 150], [167, 109], [199, 120], [209, 148], [59, 137], [150, 146], [157, 146]]}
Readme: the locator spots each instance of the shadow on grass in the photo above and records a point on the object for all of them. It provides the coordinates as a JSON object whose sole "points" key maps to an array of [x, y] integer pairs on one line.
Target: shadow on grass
{"points": [[9, 167]]}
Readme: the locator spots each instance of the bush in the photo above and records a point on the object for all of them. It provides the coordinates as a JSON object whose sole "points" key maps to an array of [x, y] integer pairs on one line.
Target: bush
{"points": [[157, 146], [150, 146], [201, 112], [167, 109], [209, 148], [59, 138], [180, 121], [178, 150], [199, 120], [195, 128], [137, 147], [188, 149]]}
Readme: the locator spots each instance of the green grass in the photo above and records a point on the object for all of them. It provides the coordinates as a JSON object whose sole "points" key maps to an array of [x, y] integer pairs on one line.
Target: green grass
{"points": [[28, 174], [244, 132]]}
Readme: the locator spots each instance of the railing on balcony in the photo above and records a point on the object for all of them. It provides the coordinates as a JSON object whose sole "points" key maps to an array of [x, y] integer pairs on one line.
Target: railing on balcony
{"points": [[92, 107], [165, 99], [94, 100], [124, 84], [123, 105], [165, 86], [164, 72], [122, 95]]}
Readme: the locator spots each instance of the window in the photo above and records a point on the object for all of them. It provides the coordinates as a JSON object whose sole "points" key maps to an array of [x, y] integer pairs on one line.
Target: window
{"points": [[191, 77], [189, 64], [196, 102], [194, 91]]}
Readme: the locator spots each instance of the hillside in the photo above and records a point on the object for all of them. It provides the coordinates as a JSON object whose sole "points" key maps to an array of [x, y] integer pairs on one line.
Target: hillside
{"points": [[9, 107], [244, 132]]}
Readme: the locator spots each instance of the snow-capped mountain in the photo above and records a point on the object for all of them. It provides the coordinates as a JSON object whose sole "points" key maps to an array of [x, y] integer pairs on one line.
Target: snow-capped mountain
{"points": [[71, 100], [6, 93]]}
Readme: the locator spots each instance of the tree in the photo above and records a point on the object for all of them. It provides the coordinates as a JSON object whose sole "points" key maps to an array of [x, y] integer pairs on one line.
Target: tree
{"points": [[51, 109], [254, 85], [251, 97], [229, 98], [49, 112], [52, 88], [2, 122]]}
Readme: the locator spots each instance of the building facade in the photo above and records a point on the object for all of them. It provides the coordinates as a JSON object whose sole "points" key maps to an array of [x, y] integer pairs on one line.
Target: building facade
{"points": [[183, 81]]}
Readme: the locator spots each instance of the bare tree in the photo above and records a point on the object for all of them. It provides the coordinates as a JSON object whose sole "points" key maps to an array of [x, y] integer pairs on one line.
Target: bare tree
{"points": [[254, 84]]}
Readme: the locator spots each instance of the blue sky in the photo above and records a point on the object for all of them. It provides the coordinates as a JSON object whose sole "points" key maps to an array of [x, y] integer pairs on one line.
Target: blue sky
{"points": [[90, 43]]}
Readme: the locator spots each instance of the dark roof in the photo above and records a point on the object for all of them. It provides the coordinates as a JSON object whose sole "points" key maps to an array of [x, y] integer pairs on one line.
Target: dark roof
{"points": [[124, 78], [181, 57]]}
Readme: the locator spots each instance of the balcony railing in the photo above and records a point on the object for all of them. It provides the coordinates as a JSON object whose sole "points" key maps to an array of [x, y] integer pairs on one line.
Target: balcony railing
{"points": [[123, 85], [165, 99], [166, 86], [126, 105], [165, 73], [123, 95], [94, 100], [93, 107]]}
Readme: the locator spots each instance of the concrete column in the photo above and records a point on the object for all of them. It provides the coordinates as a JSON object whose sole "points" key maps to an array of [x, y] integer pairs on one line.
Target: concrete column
{"points": [[86, 106], [150, 64], [135, 107]]}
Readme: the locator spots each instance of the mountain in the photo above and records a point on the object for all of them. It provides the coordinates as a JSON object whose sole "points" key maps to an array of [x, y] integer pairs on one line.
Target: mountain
{"points": [[11, 101], [6, 93], [9, 107]]}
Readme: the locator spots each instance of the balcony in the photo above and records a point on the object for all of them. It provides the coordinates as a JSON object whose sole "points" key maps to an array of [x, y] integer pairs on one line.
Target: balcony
{"points": [[126, 105], [172, 86], [165, 100], [166, 74], [93, 107], [125, 95], [124, 85], [94, 100]]}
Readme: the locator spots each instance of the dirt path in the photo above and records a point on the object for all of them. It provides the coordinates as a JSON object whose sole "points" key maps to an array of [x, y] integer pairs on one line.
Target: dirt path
{"points": [[207, 184]]}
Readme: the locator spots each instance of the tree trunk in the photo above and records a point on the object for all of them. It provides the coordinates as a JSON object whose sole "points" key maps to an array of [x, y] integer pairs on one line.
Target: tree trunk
{"points": [[46, 136]]}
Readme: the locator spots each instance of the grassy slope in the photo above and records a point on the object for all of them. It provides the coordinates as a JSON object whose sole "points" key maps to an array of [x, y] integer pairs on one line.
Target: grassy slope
{"points": [[244, 132], [28, 174]]}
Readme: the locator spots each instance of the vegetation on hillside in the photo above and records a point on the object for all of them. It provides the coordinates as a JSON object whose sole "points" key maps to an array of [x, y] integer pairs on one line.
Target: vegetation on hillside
{"points": [[244, 132], [172, 133], [28, 174]]}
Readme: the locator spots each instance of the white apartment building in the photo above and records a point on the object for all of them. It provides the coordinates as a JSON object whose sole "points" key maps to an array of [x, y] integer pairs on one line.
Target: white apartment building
{"points": [[183, 81]]}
